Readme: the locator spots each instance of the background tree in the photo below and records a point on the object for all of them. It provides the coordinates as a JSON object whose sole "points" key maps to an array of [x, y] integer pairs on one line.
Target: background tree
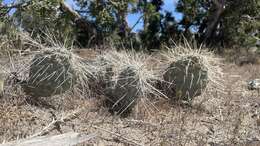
{"points": [[194, 13], [9, 39], [159, 26], [39, 17], [109, 16], [215, 23], [220, 23], [170, 31], [152, 24], [241, 22]]}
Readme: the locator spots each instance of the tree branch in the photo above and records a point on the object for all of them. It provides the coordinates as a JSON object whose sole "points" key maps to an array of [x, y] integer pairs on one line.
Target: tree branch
{"points": [[67, 9], [139, 19]]}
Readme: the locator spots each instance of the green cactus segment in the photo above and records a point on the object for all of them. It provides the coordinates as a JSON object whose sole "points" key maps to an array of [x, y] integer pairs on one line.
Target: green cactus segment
{"points": [[123, 95], [50, 73], [186, 78]]}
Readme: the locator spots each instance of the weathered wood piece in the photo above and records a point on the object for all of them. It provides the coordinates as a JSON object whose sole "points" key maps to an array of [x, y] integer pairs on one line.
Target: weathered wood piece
{"points": [[67, 139]]}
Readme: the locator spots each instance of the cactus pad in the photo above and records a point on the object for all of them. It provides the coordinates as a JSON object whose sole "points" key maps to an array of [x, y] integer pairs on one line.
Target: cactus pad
{"points": [[50, 73], [122, 96], [186, 78]]}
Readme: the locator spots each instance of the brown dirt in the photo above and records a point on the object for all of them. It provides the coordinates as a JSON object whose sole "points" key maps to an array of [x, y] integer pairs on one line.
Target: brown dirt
{"points": [[216, 118]]}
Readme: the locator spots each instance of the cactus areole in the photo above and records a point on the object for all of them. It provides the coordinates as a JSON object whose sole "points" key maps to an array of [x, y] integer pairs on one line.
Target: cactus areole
{"points": [[50, 73], [186, 78]]}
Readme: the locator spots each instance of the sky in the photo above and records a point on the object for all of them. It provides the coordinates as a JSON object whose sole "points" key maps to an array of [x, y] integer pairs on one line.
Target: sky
{"points": [[169, 5]]}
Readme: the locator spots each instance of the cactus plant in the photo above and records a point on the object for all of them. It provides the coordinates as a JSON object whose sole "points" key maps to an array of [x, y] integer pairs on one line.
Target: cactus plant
{"points": [[50, 73], [123, 94], [123, 77], [186, 78]]}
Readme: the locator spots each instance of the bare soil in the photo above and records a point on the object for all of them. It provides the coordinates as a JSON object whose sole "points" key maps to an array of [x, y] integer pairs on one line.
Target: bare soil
{"points": [[231, 117]]}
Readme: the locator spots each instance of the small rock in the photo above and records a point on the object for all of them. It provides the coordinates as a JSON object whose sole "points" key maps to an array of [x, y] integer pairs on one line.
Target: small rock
{"points": [[254, 84], [252, 50]]}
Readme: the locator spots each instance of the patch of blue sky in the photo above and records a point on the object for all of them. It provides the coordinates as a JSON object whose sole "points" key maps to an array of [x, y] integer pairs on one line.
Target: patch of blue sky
{"points": [[72, 4], [8, 2], [169, 6]]}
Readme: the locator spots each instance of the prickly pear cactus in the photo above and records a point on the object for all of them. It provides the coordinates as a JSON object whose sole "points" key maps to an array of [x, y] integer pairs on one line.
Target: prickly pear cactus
{"points": [[123, 95], [186, 78], [50, 73]]}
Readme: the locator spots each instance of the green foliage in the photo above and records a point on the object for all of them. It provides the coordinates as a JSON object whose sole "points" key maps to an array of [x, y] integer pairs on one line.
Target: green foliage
{"points": [[169, 29], [7, 30], [9, 38], [231, 29], [104, 16], [3, 13], [159, 28], [241, 22], [151, 34], [3, 19], [108, 16], [44, 16], [247, 33], [194, 12]]}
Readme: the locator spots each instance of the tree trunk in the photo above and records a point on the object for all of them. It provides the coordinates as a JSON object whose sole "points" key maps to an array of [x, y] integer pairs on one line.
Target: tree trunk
{"points": [[123, 26], [213, 20], [145, 16]]}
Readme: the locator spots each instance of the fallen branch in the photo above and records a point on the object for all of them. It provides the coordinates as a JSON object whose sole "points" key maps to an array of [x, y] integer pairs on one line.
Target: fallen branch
{"points": [[55, 122]]}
